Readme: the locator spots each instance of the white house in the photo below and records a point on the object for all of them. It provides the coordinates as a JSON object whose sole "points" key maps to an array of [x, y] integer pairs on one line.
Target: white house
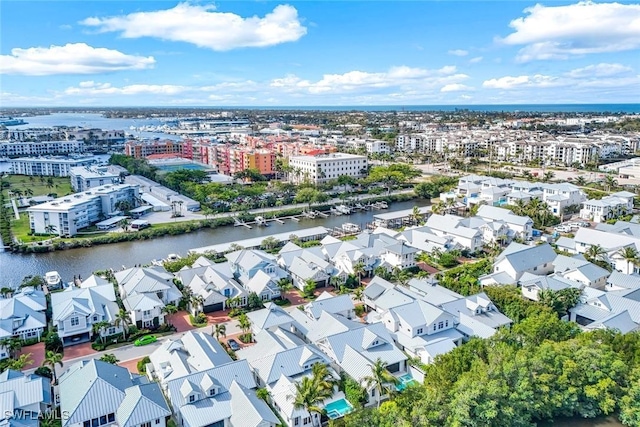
{"points": [[95, 394], [517, 259], [612, 206], [25, 397], [326, 167], [22, 316], [75, 311]]}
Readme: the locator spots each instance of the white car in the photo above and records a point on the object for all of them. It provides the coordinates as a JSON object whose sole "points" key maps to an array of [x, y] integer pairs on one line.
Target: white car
{"points": [[563, 228]]}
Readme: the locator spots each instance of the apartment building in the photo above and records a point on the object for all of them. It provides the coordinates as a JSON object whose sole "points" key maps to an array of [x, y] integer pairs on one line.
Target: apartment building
{"points": [[141, 149], [48, 166], [86, 177], [612, 206], [66, 215], [322, 168], [40, 148]]}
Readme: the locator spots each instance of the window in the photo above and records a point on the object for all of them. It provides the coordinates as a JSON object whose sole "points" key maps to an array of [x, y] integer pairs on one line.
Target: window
{"points": [[212, 392], [86, 424], [434, 326], [440, 325], [306, 420], [192, 398], [296, 421], [103, 420], [111, 417], [419, 331], [446, 323], [75, 321], [145, 425], [95, 422]]}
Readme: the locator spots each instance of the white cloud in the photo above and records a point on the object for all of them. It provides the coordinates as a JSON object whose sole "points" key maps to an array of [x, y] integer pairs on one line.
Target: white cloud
{"points": [[458, 52], [204, 27], [455, 87], [511, 82], [600, 70], [583, 28], [476, 59], [77, 58]]}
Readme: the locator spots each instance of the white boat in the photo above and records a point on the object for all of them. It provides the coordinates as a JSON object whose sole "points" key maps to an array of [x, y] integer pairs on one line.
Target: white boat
{"points": [[53, 280], [261, 221], [172, 257], [350, 227], [346, 210]]}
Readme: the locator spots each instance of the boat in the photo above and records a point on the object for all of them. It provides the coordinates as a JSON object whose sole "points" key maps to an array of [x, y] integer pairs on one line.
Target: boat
{"points": [[349, 227], [53, 280], [172, 257], [10, 121], [344, 209], [260, 221]]}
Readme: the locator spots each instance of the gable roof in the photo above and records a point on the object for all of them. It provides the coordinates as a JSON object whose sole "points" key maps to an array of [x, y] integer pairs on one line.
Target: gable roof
{"points": [[524, 257], [330, 304], [98, 300], [141, 403]]}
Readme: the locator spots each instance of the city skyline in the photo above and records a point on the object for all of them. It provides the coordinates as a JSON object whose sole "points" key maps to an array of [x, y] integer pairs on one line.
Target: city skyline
{"points": [[318, 53]]}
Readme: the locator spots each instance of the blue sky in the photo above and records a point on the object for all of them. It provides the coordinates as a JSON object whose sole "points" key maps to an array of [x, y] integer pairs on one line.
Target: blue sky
{"points": [[146, 53]]}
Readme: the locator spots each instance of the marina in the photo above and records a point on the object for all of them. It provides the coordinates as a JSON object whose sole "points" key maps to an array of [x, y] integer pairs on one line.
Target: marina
{"points": [[84, 261]]}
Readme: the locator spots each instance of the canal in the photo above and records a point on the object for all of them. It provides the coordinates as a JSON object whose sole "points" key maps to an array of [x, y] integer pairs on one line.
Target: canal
{"points": [[83, 261]]}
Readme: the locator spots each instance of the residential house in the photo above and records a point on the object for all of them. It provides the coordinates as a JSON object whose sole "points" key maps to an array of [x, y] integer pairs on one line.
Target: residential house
{"points": [[520, 226], [450, 226], [578, 269], [516, 259], [145, 291], [606, 310], [23, 399], [257, 271], [306, 265], [334, 304], [75, 311], [608, 207], [178, 358], [219, 397], [95, 393], [214, 283], [22, 316], [531, 284], [272, 317], [561, 196]]}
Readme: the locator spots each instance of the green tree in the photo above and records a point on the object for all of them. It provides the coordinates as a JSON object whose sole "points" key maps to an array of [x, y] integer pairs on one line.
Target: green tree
{"points": [[219, 330], [52, 359], [595, 253], [123, 319], [380, 379], [109, 358], [630, 255]]}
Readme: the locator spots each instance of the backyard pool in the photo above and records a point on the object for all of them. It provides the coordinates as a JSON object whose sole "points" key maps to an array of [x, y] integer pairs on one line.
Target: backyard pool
{"points": [[338, 409], [405, 381]]}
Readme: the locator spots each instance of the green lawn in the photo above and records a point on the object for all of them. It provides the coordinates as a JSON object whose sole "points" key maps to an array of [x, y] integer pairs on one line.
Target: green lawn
{"points": [[20, 229], [61, 186]]}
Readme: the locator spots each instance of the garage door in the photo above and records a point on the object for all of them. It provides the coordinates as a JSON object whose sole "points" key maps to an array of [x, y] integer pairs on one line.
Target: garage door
{"points": [[212, 308]]}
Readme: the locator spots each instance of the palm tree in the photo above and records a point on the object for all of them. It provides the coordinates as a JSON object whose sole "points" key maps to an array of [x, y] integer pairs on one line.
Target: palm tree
{"points": [[519, 207], [610, 182], [381, 379], [580, 181], [99, 327], [12, 344], [438, 208], [595, 253], [122, 318], [124, 224], [415, 215], [52, 359], [284, 285], [630, 255], [28, 192], [6, 292], [336, 281], [219, 330], [548, 176], [196, 303], [312, 391], [358, 270], [50, 229], [170, 309], [358, 294], [322, 377], [244, 323], [400, 276], [262, 394], [21, 362], [109, 358]]}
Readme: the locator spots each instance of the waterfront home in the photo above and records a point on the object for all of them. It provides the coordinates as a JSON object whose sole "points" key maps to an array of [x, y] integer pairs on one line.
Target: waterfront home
{"points": [[516, 259], [75, 311], [192, 352], [451, 226], [218, 397], [145, 291], [23, 398], [92, 281], [608, 207], [246, 264], [423, 239], [214, 283], [22, 316], [95, 393]]}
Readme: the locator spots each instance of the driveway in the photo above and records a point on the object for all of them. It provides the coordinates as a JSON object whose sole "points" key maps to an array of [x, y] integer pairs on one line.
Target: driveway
{"points": [[37, 354], [181, 321]]}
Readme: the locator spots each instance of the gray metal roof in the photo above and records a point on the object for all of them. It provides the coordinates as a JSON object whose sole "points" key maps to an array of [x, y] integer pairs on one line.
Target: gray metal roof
{"points": [[142, 403], [20, 391], [330, 304]]}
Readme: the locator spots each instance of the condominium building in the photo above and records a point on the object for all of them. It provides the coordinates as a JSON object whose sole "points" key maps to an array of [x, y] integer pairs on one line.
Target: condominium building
{"points": [[86, 177], [39, 148], [322, 168], [66, 215], [48, 166], [140, 149]]}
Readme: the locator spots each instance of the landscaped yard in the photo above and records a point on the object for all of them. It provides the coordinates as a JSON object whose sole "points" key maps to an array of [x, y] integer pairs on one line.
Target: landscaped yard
{"points": [[39, 187], [20, 229]]}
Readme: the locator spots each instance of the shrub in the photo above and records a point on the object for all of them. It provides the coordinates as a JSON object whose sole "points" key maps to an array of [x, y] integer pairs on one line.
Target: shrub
{"points": [[354, 393], [53, 343], [360, 310], [142, 364], [246, 338], [44, 371], [98, 346], [198, 320]]}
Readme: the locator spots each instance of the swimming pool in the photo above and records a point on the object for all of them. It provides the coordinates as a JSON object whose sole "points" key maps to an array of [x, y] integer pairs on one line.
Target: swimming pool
{"points": [[405, 381], [338, 409], [179, 166]]}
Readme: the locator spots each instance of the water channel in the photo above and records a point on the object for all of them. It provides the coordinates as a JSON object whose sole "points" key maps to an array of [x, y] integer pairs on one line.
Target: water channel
{"points": [[83, 261]]}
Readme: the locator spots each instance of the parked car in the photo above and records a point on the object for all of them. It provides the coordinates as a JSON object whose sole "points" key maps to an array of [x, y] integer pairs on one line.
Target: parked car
{"points": [[233, 344], [147, 339], [563, 228]]}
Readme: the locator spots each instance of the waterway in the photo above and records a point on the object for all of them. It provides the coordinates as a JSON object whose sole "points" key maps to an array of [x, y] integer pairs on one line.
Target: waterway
{"points": [[83, 261], [95, 120]]}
